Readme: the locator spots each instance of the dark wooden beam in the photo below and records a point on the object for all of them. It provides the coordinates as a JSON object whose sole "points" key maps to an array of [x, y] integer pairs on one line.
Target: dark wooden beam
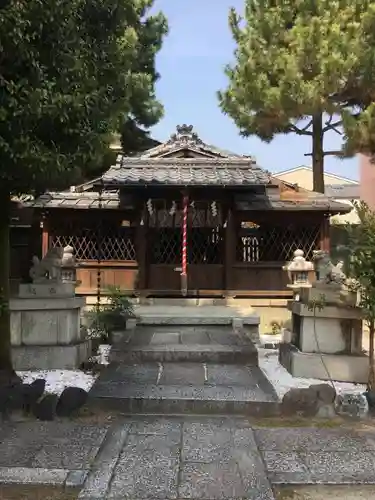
{"points": [[325, 243], [230, 248], [141, 250]]}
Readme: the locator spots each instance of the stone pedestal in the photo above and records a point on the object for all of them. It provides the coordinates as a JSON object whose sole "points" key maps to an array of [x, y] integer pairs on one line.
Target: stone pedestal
{"points": [[333, 333], [45, 327]]}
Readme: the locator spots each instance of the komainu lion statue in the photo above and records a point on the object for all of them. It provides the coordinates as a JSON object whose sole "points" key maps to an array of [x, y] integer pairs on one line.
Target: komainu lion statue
{"points": [[326, 271], [48, 268]]}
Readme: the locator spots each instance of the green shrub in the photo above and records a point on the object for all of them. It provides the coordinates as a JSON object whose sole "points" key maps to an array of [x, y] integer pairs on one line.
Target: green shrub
{"points": [[103, 319]]}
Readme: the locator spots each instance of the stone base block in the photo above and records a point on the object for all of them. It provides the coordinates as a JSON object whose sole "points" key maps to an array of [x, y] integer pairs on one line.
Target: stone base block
{"points": [[252, 332], [48, 357], [342, 368], [180, 353], [46, 290], [53, 321], [187, 315]]}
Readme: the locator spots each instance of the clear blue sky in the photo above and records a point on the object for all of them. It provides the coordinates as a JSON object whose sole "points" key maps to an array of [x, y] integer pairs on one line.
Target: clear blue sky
{"points": [[191, 65]]}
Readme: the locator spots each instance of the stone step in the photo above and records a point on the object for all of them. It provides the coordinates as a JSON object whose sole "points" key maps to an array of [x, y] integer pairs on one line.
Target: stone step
{"points": [[201, 344], [176, 353], [194, 388], [194, 315]]}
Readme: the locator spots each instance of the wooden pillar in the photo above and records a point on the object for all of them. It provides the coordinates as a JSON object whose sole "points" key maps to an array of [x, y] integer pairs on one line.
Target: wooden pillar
{"points": [[184, 276], [45, 234], [230, 249], [141, 246], [325, 243]]}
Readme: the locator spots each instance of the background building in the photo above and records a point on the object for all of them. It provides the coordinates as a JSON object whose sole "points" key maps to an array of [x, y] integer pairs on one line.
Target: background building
{"points": [[339, 188]]}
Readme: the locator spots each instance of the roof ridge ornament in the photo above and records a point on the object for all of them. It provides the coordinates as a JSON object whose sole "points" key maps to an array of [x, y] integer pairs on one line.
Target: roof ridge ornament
{"points": [[185, 135]]}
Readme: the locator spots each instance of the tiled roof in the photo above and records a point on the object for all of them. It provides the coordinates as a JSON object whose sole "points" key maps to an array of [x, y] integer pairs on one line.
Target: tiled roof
{"points": [[185, 172], [267, 203], [254, 201], [84, 200], [205, 166]]}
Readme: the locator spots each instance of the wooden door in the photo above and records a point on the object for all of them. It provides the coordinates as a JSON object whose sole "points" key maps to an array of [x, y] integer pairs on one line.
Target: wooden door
{"points": [[205, 248], [164, 239]]}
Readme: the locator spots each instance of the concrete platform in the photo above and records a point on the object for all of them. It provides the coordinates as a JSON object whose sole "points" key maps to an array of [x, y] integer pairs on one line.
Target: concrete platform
{"points": [[268, 309], [180, 369], [173, 388], [194, 315], [186, 353], [202, 344]]}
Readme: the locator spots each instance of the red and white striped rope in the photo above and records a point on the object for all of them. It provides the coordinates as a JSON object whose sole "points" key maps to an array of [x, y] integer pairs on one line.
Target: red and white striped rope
{"points": [[184, 235]]}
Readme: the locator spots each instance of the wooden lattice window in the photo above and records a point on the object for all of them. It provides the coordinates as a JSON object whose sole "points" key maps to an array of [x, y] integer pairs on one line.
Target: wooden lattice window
{"points": [[109, 241], [165, 245], [205, 246], [275, 244], [164, 235], [205, 233], [205, 236]]}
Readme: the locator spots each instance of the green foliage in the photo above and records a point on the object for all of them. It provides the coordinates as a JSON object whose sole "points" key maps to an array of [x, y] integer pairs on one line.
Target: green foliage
{"points": [[362, 272], [362, 261], [106, 318], [277, 326], [317, 304], [71, 74], [295, 62]]}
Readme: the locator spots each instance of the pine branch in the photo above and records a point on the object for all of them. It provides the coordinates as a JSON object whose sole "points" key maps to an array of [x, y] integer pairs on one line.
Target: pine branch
{"points": [[301, 131], [332, 126], [328, 153]]}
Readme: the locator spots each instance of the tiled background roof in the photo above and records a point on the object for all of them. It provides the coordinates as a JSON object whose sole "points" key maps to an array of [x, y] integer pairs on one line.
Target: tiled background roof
{"points": [[186, 171]]}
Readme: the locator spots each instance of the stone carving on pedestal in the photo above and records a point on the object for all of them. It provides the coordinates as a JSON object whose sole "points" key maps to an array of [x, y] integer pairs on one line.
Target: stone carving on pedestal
{"points": [[45, 317], [47, 269], [326, 271], [326, 336]]}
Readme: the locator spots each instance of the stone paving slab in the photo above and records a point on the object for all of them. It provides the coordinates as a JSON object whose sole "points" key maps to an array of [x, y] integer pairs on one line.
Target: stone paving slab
{"points": [[183, 335], [177, 353], [49, 445], [317, 456], [197, 458], [46, 476], [205, 400], [209, 344], [170, 458], [193, 315], [301, 439], [195, 374], [170, 388]]}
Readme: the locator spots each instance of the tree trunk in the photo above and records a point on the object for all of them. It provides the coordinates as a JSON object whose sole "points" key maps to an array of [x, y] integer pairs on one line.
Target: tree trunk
{"points": [[317, 153], [6, 368], [371, 374]]}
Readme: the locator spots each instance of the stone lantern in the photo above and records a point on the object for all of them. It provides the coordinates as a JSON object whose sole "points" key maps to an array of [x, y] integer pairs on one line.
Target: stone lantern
{"points": [[68, 266], [298, 273]]}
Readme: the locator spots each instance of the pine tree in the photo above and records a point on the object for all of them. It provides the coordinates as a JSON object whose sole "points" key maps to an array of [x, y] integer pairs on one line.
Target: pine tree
{"points": [[71, 73], [359, 124], [295, 61]]}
